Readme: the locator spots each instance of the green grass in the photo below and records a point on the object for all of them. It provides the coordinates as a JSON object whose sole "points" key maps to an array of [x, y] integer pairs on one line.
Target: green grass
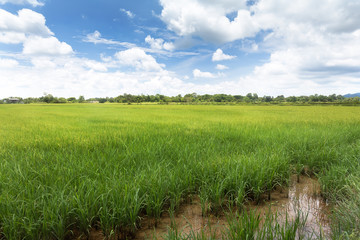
{"points": [[75, 167]]}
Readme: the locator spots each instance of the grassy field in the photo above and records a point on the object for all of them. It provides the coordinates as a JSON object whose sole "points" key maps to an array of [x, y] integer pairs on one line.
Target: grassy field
{"points": [[81, 166]]}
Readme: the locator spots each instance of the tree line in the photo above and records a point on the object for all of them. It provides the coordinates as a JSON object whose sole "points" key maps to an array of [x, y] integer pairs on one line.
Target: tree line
{"points": [[191, 98]]}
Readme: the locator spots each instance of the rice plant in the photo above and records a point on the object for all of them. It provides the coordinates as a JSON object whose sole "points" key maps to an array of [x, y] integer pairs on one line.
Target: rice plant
{"points": [[65, 170]]}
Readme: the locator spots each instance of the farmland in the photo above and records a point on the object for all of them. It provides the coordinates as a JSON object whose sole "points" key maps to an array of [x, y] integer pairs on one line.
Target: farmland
{"points": [[73, 167]]}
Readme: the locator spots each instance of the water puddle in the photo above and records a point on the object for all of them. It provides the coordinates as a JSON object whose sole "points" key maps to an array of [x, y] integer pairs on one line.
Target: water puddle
{"points": [[303, 196]]}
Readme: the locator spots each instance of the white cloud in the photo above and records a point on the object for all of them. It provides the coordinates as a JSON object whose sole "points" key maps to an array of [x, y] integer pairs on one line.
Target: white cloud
{"points": [[128, 13], [314, 46], [159, 43], [8, 63], [71, 76], [29, 28], [221, 67], [43, 63], [46, 46], [96, 38], [12, 37], [208, 20], [96, 66], [26, 22], [219, 55], [34, 3], [199, 74], [137, 58], [332, 16]]}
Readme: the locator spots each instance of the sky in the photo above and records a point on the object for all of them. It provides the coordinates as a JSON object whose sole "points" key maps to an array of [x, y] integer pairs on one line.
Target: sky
{"points": [[110, 47]]}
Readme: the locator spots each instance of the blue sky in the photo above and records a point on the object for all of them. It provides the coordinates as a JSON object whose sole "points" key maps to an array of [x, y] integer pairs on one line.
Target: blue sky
{"points": [[107, 48]]}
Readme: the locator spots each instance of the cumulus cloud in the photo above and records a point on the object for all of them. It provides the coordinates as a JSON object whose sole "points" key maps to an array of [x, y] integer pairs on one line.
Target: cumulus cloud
{"points": [[137, 58], [34, 3], [335, 16], [36, 45], [219, 55], [96, 66], [159, 43], [44, 63], [221, 67], [12, 37], [208, 20], [312, 45], [25, 22], [71, 76], [29, 28], [199, 74]]}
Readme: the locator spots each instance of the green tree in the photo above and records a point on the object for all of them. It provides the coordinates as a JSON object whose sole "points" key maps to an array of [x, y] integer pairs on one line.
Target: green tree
{"points": [[71, 99], [81, 99], [48, 98]]}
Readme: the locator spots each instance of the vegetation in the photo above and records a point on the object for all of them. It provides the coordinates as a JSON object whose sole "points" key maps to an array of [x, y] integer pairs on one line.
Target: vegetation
{"points": [[248, 225], [65, 169], [194, 98]]}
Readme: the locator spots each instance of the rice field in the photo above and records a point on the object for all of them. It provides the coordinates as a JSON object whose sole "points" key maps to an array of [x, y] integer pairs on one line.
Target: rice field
{"points": [[67, 169]]}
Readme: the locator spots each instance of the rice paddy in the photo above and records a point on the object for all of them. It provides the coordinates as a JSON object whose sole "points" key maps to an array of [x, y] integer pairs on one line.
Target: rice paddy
{"points": [[66, 170]]}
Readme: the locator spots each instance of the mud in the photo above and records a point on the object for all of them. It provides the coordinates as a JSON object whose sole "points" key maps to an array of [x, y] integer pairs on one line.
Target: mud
{"points": [[303, 196]]}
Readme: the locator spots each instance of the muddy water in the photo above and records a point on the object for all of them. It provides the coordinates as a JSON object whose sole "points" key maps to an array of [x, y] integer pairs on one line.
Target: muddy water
{"points": [[189, 218], [303, 196]]}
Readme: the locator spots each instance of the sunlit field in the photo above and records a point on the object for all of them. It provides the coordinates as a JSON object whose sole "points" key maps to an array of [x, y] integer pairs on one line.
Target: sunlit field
{"points": [[74, 167]]}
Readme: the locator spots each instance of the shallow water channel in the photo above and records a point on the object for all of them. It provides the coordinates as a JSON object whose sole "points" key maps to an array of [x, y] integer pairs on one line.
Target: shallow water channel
{"points": [[303, 195]]}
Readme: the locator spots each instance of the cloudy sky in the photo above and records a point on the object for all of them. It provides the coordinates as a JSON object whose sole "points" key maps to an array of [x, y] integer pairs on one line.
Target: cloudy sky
{"points": [[110, 47]]}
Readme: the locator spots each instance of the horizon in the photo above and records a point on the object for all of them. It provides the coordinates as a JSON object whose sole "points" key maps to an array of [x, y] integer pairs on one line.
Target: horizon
{"points": [[99, 49], [237, 97]]}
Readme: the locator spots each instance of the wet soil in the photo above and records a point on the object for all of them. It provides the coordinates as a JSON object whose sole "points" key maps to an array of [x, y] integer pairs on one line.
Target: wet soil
{"points": [[303, 195]]}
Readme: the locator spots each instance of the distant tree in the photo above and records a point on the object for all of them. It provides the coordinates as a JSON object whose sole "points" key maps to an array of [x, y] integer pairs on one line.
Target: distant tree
{"points": [[61, 100], [291, 99], [238, 98], [176, 98], [340, 97], [249, 96], [280, 98], [247, 99], [48, 98], [102, 100], [322, 98], [267, 98], [30, 100], [314, 98], [72, 99], [303, 99], [81, 99], [332, 98], [188, 97]]}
